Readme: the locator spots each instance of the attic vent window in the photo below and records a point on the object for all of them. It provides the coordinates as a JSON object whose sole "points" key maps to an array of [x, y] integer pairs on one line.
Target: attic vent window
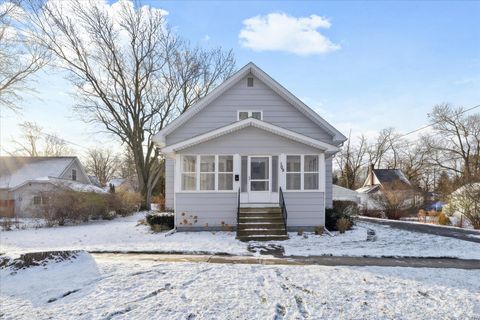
{"points": [[74, 174], [249, 82], [244, 114]]}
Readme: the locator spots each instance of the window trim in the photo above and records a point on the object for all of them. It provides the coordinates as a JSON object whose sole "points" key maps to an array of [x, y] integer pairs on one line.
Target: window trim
{"points": [[302, 173], [197, 173], [249, 112]]}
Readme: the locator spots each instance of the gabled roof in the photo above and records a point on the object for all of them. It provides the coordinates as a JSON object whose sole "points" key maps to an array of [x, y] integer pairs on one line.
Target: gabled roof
{"points": [[14, 171], [250, 122], [391, 176], [250, 68]]}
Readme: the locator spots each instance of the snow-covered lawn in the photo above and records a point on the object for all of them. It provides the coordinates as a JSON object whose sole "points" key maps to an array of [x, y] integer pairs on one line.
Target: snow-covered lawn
{"points": [[123, 289], [123, 234], [390, 242]]}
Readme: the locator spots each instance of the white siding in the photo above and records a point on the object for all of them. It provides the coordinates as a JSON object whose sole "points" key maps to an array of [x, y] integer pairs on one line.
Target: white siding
{"points": [[67, 174], [250, 141], [328, 182], [223, 111], [210, 209], [169, 183], [305, 209]]}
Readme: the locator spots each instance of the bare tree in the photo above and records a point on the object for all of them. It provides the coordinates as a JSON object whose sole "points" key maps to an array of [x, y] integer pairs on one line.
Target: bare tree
{"points": [[54, 146], [102, 164], [35, 142], [20, 55], [126, 66], [395, 200], [29, 142], [455, 144], [350, 162]]}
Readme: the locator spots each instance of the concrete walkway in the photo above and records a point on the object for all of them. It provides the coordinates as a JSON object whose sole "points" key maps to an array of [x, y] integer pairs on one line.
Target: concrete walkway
{"points": [[444, 231], [297, 260]]}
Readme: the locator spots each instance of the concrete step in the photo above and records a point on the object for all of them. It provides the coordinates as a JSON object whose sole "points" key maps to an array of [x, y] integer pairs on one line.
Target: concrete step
{"points": [[261, 225], [261, 232], [261, 219], [258, 209], [263, 238], [260, 214]]}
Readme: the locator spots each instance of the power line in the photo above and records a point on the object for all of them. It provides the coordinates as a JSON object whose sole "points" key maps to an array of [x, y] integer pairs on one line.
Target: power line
{"points": [[434, 123]]}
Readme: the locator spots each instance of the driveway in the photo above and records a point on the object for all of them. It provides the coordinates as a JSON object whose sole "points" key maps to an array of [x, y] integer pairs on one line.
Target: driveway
{"points": [[451, 232]]}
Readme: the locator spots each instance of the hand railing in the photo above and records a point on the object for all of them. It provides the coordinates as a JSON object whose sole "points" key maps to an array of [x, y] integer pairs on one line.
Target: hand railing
{"points": [[281, 202], [238, 208]]}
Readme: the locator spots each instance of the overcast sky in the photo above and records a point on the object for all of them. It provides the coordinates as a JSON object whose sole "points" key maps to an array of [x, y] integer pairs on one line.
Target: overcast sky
{"points": [[363, 66]]}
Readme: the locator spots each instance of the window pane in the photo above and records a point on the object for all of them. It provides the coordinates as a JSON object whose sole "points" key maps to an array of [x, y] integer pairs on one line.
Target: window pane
{"points": [[311, 164], [225, 181], [257, 115], [207, 181], [189, 163], [310, 181], [189, 181], [259, 186], [207, 163], [243, 115], [293, 163], [244, 173], [225, 164], [259, 168], [293, 181]]}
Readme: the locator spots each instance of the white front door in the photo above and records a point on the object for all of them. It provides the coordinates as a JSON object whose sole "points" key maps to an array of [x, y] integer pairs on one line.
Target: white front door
{"points": [[259, 178]]}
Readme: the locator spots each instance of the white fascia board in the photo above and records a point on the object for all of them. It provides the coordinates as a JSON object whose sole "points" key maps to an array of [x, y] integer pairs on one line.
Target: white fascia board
{"points": [[254, 123]]}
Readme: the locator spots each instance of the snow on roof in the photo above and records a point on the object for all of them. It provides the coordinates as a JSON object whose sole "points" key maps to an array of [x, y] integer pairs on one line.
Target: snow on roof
{"points": [[76, 186], [16, 170], [341, 193], [368, 189], [390, 176]]}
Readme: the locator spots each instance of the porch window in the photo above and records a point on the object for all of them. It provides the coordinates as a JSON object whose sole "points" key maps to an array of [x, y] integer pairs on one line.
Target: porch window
{"points": [[310, 175], [225, 172], [294, 172], [189, 173], [303, 172], [207, 172]]}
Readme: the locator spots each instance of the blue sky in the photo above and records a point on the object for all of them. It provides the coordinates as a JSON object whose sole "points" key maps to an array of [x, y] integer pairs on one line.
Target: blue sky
{"points": [[393, 61]]}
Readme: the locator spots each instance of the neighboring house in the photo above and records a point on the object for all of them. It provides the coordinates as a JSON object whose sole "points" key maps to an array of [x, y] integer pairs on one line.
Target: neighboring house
{"points": [[379, 181], [244, 143], [344, 194], [23, 181]]}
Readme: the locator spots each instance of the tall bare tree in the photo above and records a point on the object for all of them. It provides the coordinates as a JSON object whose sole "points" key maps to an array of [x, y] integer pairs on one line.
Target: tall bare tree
{"points": [[30, 140], [455, 143], [132, 73], [102, 164], [351, 161], [34, 142], [20, 55]]}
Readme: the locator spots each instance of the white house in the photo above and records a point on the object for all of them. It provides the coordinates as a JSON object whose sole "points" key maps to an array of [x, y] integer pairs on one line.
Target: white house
{"points": [[233, 156], [23, 181]]}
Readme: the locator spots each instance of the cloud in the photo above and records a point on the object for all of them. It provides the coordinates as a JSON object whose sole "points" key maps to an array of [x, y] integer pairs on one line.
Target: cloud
{"points": [[281, 32]]}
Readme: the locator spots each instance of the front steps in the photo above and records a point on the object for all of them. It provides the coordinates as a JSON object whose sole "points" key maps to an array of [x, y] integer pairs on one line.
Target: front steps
{"points": [[261, 224]]}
